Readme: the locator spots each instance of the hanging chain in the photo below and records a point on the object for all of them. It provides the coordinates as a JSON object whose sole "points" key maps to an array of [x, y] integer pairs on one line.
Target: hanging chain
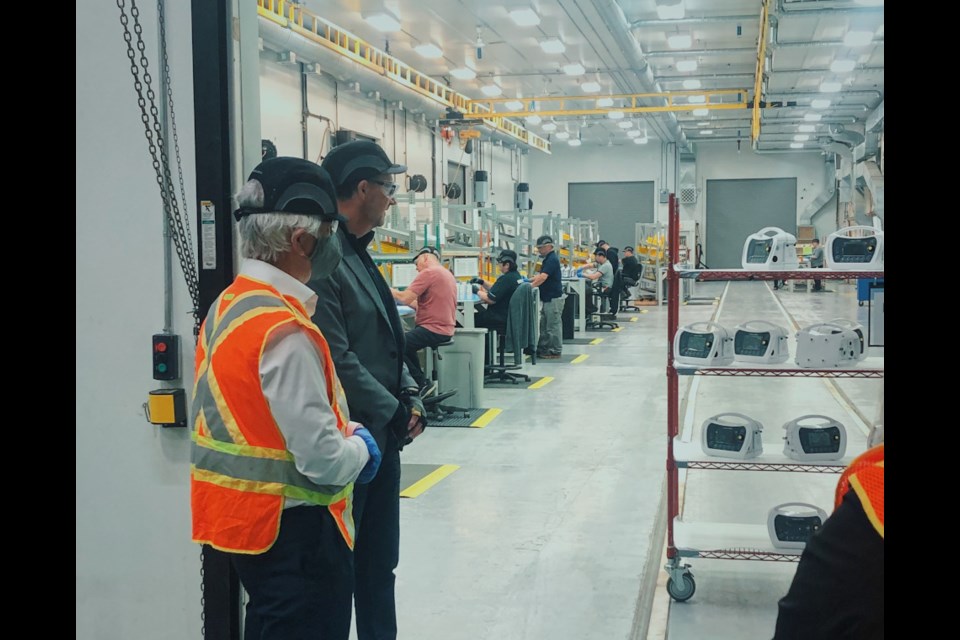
{"points": [[181, 238]]}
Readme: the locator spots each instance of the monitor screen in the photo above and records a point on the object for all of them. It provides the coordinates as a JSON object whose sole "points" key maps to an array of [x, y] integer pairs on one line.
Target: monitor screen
{"points": [[466, 267], [758, 250], [820, 440], [696, 345], [725, 438], [403, 275], [751, 344]]}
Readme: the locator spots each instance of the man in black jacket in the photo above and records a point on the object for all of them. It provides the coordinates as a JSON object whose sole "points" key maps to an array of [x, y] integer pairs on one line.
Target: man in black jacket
{"points": [[358, 316]]}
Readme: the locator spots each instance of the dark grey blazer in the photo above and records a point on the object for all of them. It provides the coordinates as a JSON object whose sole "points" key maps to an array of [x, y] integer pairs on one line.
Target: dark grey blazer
{"points": [[369, 361]]}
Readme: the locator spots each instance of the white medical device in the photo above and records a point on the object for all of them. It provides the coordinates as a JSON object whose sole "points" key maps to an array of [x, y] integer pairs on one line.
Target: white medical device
{"points": [[770, 249], [813, 437], [857, 328], [854, 249], [703, 344], [731, 435], [402, 275], [825, 345], [761, 342], [791, 524]]}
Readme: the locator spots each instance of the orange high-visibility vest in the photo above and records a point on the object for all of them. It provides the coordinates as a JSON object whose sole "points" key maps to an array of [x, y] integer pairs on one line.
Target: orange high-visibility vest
{"points": [[865, 477], [241, 471]]}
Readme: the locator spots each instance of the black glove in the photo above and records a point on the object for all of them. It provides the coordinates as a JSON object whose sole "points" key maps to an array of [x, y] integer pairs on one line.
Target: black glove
{"points": [[476, 288], [414, 404], [476, 281], [398, 423]]}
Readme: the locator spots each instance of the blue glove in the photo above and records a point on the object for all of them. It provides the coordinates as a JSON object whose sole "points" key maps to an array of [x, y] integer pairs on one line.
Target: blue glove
{"points": [[373, 464]]}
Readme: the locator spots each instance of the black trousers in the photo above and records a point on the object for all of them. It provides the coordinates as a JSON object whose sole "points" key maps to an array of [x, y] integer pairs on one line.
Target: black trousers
{"points": [[300, 588], [419, 338], [376, 511]]}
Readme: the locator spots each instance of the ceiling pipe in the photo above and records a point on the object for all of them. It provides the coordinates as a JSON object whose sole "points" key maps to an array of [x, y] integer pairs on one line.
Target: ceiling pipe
{"points": [[283, 39], [789, 95], [814, 45], [823, 8], [686, 53], [616, 22], [643, 24]]}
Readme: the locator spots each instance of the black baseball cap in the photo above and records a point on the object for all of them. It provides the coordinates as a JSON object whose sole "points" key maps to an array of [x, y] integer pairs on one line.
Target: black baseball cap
{"points": [[359, 156], [600, 252], [428, 249], [544, 239], [294, 185], [630, 249], [507, 255]]}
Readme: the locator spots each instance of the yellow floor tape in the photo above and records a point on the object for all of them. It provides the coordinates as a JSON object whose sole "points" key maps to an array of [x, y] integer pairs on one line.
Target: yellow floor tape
{"points": [[596, 341], [579, 358], [541, 382], [428, 481], [634, 319], [485, 419], [617, 329]]}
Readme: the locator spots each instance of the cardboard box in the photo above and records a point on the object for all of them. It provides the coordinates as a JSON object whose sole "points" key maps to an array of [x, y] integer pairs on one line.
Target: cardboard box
{"points": [[806, 233]]}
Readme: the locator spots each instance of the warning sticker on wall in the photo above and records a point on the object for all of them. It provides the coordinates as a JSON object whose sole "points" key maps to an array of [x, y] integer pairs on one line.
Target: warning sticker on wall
{"points": [[208, 235]]}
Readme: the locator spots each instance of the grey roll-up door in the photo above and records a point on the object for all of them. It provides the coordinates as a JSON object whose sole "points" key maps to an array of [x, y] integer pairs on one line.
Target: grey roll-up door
{"points": [[616, 206], [738, 208]]}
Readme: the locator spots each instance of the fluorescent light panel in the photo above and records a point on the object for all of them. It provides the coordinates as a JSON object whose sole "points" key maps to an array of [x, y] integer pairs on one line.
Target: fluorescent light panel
{"points": [[550, 126], [525, 17], [534, 119], [820, 103], [590, 87], [692, 83], [563, 135], [642, 140], [574, 142], [429, 50], [575, 69], [553, 46], [670, 10], [514, 105], [605, 102], [491, 90], [616, 115], [796, 145], [706, 132], [625, 124], [383, 22], [463, 73], [686, 65], [680, 41], [634, 133], [812, 117], [830, 87], [843, 66], [802, 137], [697, 99], [858, 38], [701, 112], [806, 128]]}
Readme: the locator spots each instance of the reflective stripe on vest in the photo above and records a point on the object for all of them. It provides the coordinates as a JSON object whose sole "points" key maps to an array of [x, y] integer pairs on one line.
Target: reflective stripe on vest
{"points": [[865, 477], [237, 446]]}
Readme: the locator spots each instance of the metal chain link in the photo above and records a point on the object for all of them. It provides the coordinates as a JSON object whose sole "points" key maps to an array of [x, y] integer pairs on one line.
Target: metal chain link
{"points": [[161, 167], [181, 239]]}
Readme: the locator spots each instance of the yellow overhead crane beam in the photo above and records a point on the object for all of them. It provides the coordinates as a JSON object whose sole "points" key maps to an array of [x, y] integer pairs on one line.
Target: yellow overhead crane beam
{"points": [[758, 77], [476, 109], [316, 29]]}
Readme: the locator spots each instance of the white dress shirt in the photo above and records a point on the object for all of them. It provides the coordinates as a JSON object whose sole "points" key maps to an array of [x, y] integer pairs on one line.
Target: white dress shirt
{"points": [[293, 382]]}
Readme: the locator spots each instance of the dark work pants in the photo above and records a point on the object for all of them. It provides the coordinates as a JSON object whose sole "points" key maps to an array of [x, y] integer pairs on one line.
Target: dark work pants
{"points": [[486, 319], [817, 284], [420, 338], [376, 511], [300, 588]]}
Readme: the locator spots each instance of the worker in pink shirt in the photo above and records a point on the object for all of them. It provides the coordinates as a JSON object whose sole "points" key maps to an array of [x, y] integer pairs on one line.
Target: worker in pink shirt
{"points": [[433, 293]]}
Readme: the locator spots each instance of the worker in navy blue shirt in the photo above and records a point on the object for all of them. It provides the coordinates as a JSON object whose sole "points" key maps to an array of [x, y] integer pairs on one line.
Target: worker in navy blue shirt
{"points": [[550, 345]]}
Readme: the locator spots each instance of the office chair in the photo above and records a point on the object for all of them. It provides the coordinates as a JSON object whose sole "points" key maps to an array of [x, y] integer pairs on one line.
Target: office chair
{"points": [[606, 319], [432, 403], [501, 372]]}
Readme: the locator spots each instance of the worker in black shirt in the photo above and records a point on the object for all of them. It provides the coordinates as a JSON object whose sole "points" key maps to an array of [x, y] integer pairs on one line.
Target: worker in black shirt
{"points": [[497, 297]]}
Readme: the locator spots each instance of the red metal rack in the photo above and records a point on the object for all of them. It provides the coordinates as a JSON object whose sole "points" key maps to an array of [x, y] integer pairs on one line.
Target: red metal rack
{"points": [[681, 584]]}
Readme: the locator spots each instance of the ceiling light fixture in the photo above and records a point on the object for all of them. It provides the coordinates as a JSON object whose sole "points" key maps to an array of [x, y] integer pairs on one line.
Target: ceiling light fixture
{"points": [[701, 112], [857, 38], [626, 124], [697, 99], [812, 117], [843, 66], [680, 41], [670, 9], [491, 90], [383, 22], [706, 132], [820, 103], [563, 135], [575, 69], [513, 105], [633, 133], [534, 119], [830, 87], [554, 45], [869, 3], [703, 124], [616, 115], [796, 145], [806, 128], [590, 87], [429, 50], [692, 83], [525, 17], [642, 140], [550, 126], [574, 142], [605, 102], [686, 65], [802, 137], [463, 73]]}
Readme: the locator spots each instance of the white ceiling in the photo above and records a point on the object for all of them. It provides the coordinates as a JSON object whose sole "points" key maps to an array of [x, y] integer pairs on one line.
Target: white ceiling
{"points": [[806, 38]]}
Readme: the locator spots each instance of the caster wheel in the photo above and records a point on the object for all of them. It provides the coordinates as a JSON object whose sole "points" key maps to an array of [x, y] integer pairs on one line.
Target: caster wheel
{"points": [[684, 592]]}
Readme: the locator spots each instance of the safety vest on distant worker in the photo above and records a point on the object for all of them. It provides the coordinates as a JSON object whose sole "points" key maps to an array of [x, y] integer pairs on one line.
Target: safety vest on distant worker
{"points": [[241, 471], [865, 477]]}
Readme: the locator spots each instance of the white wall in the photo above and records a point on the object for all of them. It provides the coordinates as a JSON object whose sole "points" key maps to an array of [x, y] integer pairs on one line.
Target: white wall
{"points": [[137, 572]]}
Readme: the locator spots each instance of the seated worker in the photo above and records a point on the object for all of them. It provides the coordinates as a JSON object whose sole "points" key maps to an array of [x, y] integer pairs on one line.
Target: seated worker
{"points": [[631, 267], [433, 293], [602, 277], [497, 297]]}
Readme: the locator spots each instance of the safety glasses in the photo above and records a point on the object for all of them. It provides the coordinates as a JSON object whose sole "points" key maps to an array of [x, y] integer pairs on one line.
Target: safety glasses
{"points": [[389, 188]]}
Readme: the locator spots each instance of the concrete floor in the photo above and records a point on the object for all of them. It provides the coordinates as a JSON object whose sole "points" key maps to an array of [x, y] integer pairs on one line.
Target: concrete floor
{"points": [[553, 524]]}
